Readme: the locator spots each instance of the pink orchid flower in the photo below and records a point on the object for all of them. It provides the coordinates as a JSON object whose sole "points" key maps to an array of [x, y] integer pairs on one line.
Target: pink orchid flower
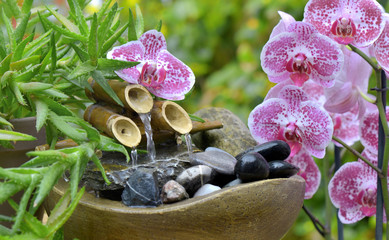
{"points": [[159, 71], [381, 50], [368, 130], [353, 190], [357, 22], [301, 53], [308, 170], [349, 86], [294, 119], [282, 26]]}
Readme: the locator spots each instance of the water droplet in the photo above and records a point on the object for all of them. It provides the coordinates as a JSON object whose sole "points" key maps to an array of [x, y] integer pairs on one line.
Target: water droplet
{"points": [[188, 140]]}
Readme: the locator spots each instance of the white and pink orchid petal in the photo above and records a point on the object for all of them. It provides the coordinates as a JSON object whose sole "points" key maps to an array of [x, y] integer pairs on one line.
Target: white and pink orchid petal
{"points": [[342, 98], [286, 20], [179, 78], [275, 55], [315, 92], [266, 119], [364, 15], [350, 215], [308, 170], [154, 42], [275, 91], [132, 51], [130, 75], [346, 126], [316, 128], [293, 95], [368, 130], [381, 49]]}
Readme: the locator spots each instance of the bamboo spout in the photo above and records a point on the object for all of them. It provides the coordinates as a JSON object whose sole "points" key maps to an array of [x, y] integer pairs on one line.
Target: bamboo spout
{"points": [[166, 115], [135, 97], [113, 124]]}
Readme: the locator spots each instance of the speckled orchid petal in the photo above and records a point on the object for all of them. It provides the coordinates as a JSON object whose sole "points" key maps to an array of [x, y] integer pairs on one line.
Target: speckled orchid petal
{"points": [[292, 118], [275, 90], [315, 92], [301, 53], [133, 52], [316, 128], [154, 42], [381, 49], [286, 20], [346, 126], [179, 78], [359, 22], [266, 119], [353, 190], [368, 130], [308, 170]]}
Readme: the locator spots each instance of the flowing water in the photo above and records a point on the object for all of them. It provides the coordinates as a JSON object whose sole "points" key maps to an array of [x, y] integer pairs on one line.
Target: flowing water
{"points": [[188, 140], [134, 156], [146, 118]]}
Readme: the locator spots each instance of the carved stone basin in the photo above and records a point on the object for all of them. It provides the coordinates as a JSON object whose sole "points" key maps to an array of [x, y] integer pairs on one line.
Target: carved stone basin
{"points": [[258, 210]]}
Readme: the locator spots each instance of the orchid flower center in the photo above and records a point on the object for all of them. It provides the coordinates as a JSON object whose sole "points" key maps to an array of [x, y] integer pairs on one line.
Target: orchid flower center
{"points": [[151, 76], [343, 30], [300, 68], [291, 136], [367, 198]]}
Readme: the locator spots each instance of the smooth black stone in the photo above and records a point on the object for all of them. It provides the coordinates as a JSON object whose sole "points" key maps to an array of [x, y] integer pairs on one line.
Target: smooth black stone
{"points": [[271, 151], [142, 190], [281, 169], [252, 167]]}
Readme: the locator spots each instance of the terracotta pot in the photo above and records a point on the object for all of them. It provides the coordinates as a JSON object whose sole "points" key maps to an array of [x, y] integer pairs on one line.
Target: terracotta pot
{"points": [[258, 210], [17, 156]]}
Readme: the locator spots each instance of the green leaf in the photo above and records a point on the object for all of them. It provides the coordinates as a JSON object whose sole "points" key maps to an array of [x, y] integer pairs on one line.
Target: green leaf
{"points": [[6, 78], [4, 64], [80, 19], [68, 24], [3, 49], [41, 113], [8, 189], [27, 75], [131, 27], [110, 145], [16, 91], [92, 43], [20, 48], [9, 28], [15, 136], [21, 64], [13, 7], [139, 23], [109, 43], [63, 30], [49, 180], [99, 78], [20, 179], [81, 69], [26, 8], [80, 52], [159, 26], [196, 118], [55, 93], [91, 132], [105, 26], [53, 54], [34, 86], [103, 9], [98, 164], [56, 107], [3, 121], [37, 44], [34, 225], [21, 28], [65, 128], [105, 64]]}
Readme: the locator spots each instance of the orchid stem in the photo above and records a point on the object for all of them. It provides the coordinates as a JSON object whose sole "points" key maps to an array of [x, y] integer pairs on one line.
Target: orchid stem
{"points": [[365, 57], [316, 223], [338, 163], [357, 154], [328, 204]]}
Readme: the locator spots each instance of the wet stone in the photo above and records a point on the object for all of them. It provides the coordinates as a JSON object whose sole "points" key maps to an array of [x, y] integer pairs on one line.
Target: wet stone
{"points": [[172, 192], [195, 177], [282, 169], [206, 189], [233, 138], [233, 183], [142, 190], [273, 150], [252, 167], [215, 158]]}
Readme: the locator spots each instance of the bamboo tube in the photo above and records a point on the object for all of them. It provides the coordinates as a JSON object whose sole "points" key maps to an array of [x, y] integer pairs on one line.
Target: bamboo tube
{"points": [[113, 124], [135, 97], [166, 115]]}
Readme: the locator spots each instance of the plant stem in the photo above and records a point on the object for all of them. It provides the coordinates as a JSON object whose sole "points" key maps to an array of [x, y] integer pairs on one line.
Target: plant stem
{"points": [[365, 57], [338, 163], [328, 205], [356, 153], [316, 223]]}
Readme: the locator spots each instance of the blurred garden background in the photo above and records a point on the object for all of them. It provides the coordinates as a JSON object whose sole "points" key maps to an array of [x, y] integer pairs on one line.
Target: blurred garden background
{"points": [[221, 41]]}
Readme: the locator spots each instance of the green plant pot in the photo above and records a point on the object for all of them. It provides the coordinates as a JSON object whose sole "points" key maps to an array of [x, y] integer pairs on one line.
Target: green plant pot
{"points": [[10, 158], [258, 210]]}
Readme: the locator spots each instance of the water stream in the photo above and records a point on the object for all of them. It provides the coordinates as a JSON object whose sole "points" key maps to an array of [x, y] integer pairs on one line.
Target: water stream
{"points": [[146, 118], [188, 140], [134, 156]]}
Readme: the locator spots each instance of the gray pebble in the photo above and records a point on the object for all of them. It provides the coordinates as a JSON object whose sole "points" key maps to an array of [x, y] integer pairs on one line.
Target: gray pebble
{"points": [[172, 192], [206, 189], [195, 177], [215, 158]]}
